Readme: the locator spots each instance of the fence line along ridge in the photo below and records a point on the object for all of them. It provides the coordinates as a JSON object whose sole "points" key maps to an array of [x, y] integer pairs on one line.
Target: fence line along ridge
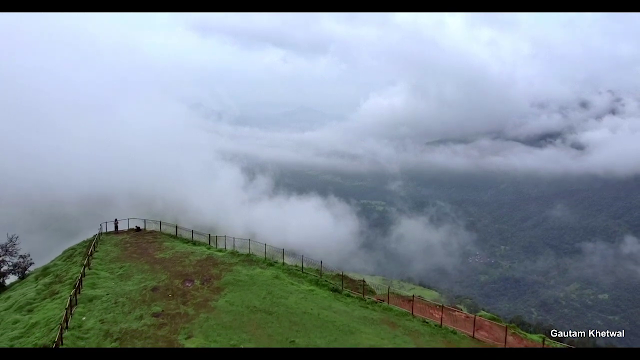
{"points": [[72, 300], [470, 324]]}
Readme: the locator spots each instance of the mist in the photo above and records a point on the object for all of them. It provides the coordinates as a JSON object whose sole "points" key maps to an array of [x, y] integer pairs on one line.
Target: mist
{"points": [[608, 262], [139, 115]]}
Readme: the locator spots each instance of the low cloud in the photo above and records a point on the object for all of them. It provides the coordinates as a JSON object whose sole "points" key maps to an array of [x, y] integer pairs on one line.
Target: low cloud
{"points": [[561, 212], [423, 245], [609, 262]]}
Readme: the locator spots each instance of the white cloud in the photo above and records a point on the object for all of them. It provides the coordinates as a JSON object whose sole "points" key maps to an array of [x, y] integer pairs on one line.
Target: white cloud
{"points": [[97, 110]]}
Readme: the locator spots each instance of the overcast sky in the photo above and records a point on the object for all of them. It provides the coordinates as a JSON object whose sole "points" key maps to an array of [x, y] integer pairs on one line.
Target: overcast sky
{"points": [[98, 118]]}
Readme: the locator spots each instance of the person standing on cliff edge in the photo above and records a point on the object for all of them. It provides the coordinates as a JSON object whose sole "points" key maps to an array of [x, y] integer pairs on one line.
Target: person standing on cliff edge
{"points": [[115, 223]]}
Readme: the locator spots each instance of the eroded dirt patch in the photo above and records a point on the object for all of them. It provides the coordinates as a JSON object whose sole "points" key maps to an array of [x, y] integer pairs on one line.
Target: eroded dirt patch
{"points": [[141, 246], [181, 298], [390, 324]]}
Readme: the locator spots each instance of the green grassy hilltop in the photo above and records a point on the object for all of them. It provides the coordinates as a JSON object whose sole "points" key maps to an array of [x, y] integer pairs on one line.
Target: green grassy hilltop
{"points": [[148, 289]]}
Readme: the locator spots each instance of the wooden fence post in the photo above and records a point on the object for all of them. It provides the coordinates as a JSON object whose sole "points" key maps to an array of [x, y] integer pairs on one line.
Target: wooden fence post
{"points": [[216, 241], [209, 239], [145, 223], [363, 287], [265, 251], [543, 340], [320, 269], [473, 334], [160, 226], [234, 243], [302, 262], [249, 246], [343, 281], [191, 234], [225, 242], [441, 313], [413, 300], [282, 256], [506, 334], [128, 227], [66, 319], [388, 295]]}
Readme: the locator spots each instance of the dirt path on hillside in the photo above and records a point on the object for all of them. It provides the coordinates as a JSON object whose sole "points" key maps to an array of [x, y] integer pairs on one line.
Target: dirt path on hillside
{"points": [[190, 285], [485, 330]]}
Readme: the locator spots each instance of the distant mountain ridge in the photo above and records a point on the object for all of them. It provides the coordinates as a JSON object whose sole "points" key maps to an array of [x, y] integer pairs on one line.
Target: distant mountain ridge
{"points": [[540, 140]]}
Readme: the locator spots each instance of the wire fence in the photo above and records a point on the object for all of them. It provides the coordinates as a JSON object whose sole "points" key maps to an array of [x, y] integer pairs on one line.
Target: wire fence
{"points": [[472, 325], [72, 301]]}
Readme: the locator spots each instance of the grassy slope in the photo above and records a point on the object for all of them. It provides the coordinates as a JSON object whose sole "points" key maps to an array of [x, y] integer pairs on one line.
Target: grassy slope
{"points": [[31, 309], [402, 286], [236, 300], [37, 302]]}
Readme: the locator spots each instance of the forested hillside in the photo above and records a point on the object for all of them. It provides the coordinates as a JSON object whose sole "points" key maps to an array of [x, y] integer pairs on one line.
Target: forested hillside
{"points": [[554, 253]]}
